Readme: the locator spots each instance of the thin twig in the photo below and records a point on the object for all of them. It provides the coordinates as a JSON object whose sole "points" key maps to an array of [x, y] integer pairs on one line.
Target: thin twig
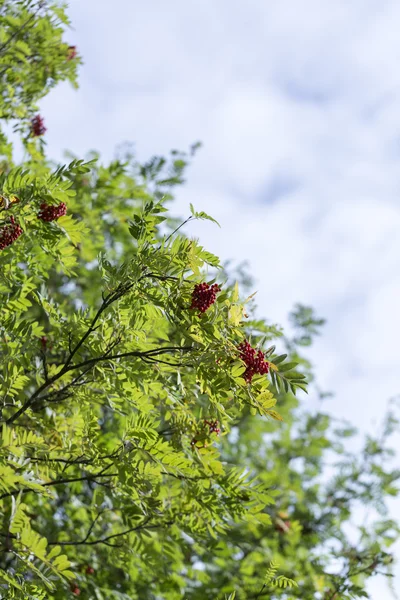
{"points": [[175, 230], [260, 592]]}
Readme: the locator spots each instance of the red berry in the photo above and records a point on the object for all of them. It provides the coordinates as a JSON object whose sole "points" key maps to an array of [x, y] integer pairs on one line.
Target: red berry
{"points": [[89, 570], [9, 233], [213, 426], [71, 52], [52, 212], [75, 590], [43, 341], [254, 361], [37, 126], [204, 295]]}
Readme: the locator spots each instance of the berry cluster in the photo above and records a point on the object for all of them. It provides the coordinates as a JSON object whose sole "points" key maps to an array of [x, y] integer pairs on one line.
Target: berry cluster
{"points": [[75, 590], [204, 295], [213, 425], [9, 233], [50, 212], [254, 361], [71, 52], [37, 126]]}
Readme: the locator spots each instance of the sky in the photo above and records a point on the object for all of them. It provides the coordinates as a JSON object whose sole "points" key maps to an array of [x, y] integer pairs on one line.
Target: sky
{"points": [[297, 107]]}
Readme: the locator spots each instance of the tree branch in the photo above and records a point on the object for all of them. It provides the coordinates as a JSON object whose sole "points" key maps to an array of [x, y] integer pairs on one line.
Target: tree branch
{"points": [[105, 540], [148, 354], [62, 482], [107, 301], [76, 461], [91, 362]]}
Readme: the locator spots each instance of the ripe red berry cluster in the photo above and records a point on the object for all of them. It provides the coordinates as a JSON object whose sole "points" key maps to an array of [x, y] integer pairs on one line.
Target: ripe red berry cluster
{"points": [[50, 212], [204, 295], [9, 233], [213, 425], [254, 361], [37, 126], [200, 435], [71, 52], [89, 570]]}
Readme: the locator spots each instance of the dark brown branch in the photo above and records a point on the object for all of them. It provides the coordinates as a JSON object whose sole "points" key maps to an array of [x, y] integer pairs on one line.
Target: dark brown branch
{"points": [[107, 301], [35, 395], [110, 537], [49, 397], [148, 354], [77, 461], [152, 361], [91, 362], [185, 477], [61, 482], [159, 277], [342, 584], [82, 541]]}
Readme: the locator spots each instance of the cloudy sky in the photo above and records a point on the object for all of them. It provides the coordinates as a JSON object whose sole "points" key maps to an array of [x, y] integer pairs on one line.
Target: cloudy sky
{"points": [[297, 105]]}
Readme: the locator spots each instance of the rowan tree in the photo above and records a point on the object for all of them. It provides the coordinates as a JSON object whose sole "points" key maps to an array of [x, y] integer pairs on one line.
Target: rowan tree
{"points": [[142, 454]]}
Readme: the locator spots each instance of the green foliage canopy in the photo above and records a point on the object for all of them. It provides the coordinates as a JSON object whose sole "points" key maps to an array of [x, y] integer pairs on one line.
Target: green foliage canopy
{"points": [[114, 482]]}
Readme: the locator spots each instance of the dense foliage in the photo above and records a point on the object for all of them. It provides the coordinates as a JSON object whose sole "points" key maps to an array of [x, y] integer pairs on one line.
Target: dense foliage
{"points": [[141, 452]]}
